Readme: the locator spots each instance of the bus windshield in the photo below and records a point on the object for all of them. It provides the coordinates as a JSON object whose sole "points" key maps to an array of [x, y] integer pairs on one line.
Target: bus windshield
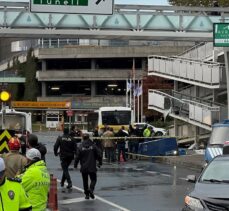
{"points": [[116, 117], [219, 135]]}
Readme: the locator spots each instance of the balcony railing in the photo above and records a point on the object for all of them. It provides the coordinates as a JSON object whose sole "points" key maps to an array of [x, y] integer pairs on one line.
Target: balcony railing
{"points": [[205, 74], [201, 112]]}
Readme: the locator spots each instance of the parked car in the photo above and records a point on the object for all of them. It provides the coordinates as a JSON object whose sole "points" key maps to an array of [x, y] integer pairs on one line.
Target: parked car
{"points": [[211, 190], [157, 131]]}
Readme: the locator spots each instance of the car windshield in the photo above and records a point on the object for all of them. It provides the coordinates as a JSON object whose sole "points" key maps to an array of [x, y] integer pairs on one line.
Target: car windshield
{"points": [[217, 171], [219, 135]]}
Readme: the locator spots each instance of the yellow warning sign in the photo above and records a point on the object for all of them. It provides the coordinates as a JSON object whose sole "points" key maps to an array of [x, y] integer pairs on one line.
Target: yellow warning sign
{"points": [[4, 138]]}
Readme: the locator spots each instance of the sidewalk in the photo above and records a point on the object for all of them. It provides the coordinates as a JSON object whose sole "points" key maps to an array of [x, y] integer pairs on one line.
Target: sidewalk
{"points": [[195, 161]]}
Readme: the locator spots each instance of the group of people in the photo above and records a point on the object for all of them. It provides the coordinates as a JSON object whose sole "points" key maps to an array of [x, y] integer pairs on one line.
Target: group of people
{"points": [[122, 142], [24, 178]]}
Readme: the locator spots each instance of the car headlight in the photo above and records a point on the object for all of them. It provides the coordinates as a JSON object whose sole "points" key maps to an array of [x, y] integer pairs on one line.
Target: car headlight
{"points": [[193, 203]]}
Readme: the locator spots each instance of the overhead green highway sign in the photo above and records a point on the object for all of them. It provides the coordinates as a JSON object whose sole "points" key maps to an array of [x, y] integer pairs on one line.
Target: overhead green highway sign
{"points": [[73, 6], [221, 34]]}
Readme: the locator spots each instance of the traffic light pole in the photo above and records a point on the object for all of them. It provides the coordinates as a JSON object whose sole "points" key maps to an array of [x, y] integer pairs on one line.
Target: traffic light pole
{"points": [[3, 115]]}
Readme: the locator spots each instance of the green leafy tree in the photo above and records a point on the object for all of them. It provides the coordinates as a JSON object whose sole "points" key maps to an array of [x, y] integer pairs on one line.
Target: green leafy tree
{"points": [[31, 85]]}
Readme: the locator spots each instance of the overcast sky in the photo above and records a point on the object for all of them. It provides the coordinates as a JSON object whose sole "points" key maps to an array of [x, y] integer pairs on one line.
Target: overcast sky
{"points": [[140, 2]]}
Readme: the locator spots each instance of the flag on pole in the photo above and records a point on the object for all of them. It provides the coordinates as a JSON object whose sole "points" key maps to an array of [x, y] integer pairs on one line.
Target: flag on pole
{"points": [[128, 86], [138, 91]]}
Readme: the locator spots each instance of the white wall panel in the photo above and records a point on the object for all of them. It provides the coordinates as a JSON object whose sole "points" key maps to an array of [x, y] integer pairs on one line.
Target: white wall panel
{"points": [[150, 64], [156, 64], [191, 111], [198, 114], [190, 71], [176, 68], [156, 100], [183, 69], [215, 74], [207, 74], [207, 117], [162, 65], [198, 72]]}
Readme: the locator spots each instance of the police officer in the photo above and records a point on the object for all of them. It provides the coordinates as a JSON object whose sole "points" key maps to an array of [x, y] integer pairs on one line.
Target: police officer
{"points": [[36, 180], [12, 194], [88, 154], [67, 148]]}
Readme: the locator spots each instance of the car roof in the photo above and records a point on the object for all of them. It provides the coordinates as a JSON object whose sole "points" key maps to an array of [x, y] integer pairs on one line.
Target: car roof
{"points": [[222, 157]]}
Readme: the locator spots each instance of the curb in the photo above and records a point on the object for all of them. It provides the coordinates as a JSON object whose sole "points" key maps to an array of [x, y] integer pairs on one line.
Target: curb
{"points": [[185, 161]]}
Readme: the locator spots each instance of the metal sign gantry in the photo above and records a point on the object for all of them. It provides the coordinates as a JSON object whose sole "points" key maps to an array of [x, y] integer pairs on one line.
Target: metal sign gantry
{"points": [[127, 22]]}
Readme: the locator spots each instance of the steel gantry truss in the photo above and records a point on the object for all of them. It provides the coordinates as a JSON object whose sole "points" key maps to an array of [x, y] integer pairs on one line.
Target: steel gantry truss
{"points": [[127, 22]]}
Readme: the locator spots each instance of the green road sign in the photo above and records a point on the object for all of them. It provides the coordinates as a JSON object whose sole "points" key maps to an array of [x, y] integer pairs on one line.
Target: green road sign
{"points": [[62, 2], [73, 6], [221, 34]]}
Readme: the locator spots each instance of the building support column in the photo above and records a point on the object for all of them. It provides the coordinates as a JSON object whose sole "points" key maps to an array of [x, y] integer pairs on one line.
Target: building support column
{"points": [[43, 84], [196, 135], [176, 128], [227, 75], [175, 121], [93, 89], [93, 64]]}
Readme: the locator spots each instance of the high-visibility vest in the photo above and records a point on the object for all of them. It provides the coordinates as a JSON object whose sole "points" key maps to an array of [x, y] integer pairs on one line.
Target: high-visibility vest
{"points": [[36, 182], [12, 196]]}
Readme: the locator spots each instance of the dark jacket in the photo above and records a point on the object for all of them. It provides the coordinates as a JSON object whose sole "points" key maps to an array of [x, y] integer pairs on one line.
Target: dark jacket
{"points": [[66, 146], [76, 135], [121, 133], [88, 154], [43, 150]]}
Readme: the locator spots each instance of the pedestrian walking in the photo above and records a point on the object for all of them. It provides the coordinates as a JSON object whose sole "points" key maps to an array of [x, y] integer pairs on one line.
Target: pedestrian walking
{"points": [[75, 133], [109, 144], [36, 180], [121, 144], [13, 196], [97, 140], [33, 143], [14, 161], [65, 147], [88, 154]]}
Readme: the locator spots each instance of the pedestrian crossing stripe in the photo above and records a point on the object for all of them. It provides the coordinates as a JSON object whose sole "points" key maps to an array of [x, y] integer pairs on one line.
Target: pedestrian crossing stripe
{"points": [[4, 137]]}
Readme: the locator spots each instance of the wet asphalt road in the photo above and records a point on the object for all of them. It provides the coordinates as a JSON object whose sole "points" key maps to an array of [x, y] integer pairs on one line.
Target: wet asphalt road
{"points": [[133, 185]]}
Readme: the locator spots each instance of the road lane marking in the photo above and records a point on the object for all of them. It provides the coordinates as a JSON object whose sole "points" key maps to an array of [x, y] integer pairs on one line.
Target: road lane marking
{"points": [[101, 199], [70, 201], [166, 175]]}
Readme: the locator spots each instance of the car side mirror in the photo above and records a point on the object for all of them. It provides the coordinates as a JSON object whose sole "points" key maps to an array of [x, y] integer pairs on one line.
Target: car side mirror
{"points": [[191, 178]]}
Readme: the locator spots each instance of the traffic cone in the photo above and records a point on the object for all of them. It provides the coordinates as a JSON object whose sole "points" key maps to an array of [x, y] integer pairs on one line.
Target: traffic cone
{"points": [[121, 157]]}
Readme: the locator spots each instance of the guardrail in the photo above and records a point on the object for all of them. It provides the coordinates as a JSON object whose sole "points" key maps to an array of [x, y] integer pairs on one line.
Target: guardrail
{"points": [[210, 74]]}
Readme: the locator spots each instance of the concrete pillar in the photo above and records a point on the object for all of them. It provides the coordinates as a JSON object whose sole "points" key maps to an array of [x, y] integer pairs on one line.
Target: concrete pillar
{"points": [[196, 91], [175, 85], [227, 75], [43, 84], [144, 65], [93, 64], [93, 89], [43, 89], [214, 95], [43, 65], [196, 134], [176, 131]]}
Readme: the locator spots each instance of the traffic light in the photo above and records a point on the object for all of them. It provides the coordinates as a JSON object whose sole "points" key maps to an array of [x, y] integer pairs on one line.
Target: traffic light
{"points": [[5, 96]]}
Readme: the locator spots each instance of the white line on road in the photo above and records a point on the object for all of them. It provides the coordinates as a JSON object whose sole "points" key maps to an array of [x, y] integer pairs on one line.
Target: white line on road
{"points": [[70, 201], [166, 175], [102, 199]]}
